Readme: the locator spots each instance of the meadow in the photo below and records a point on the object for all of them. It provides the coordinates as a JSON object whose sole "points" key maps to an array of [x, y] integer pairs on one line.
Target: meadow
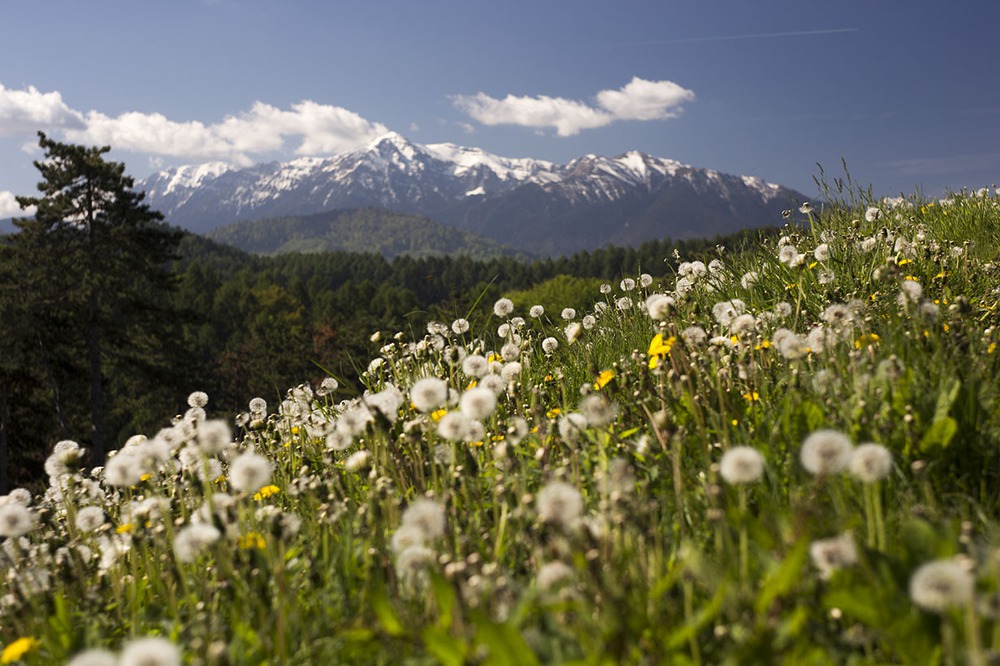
{"points": [[782, 455]]}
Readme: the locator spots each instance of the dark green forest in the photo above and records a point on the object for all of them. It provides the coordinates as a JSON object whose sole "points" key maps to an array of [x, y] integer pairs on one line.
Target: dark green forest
{"points": [[111, 317]]}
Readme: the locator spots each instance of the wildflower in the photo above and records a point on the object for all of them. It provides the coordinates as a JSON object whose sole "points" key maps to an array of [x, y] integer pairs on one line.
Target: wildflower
{"points": [[828, 555], [825, 452], [589, 321], [573, 332], [194, 539], [568, 314], [198, 399], [460, 326], [428, 393], [14, 651], [478, 403], [791, 345], [743, 324], [741, 464], [559, 504], [805, 208], [597, 410], [536, 311], [89, 518], [427, 516], [94, 657], [788, 254], [258, 407], [837, 315], [265, 492], [910, 291], [873, 214], [151, 651], [826, 276], [571, 426], [658, 306], [452, 426], [214, 436], [357, 461], [549, 345], [623, 303], [604, 379], [510, 372], [659, 348], [870, 462], [866, 340], [694, 336], [645, 280], [749, 279], [250, 472], [605, 288], [937, 586], [628, 284], [726, 311], [123, 470], [510, 352], [411, 566], [553, 575], [475, 365], [503, 307], [822, 252], [327, 386]]}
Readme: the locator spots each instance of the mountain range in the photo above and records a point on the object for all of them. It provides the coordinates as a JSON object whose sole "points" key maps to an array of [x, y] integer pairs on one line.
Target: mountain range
{"points": [[532, 205]]}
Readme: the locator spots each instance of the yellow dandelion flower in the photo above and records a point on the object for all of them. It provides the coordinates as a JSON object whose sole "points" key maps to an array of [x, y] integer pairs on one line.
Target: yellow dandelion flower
{"points": [[14, 651], [912, 278], [903, 262], [751, 396], [813, 265], [659, 348], [124, 528], [735, 422], [765, 344], [604, 379], [734, 339], [252, 540], [992, 348], [946, 327], [471, 385], [498, 438], [549, 378], [295, 430], [865, 340], [941, 275], [219, 479], [552, 413], [146, 477], [437, 414], [475, 444], [266, 492]]}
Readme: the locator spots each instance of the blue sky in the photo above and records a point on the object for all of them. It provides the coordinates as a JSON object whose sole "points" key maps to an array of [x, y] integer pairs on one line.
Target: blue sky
{"points": [[905, 91]]}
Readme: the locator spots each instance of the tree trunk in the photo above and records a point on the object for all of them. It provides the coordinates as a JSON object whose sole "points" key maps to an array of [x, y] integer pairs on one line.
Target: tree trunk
{"points": [[96, 385]]}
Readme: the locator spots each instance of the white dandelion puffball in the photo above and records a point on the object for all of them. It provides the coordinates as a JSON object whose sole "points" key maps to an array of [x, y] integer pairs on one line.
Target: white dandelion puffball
{"points": [[250, 472], [568, 314], [427, 516], [193, 540], [658, 306], [549, 345], [478, 403], [453, 426], [828, 555], [16, 520], [94, 657], [870, 462], [151, 651], [197, 399], [475, 365], [460, 326], [428, 393], [571, 427], [536, 311], [560, 504], [503, 307], [826, 452], [89, 518], [741, 464], [939, 585]]}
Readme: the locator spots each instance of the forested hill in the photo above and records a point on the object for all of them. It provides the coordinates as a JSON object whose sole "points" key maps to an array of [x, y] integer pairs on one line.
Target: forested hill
{"points": [[242, 325], [377, 230]]}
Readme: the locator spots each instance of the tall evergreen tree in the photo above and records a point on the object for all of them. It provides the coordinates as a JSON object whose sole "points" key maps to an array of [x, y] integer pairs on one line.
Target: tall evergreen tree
{"points": [[106, 253]]}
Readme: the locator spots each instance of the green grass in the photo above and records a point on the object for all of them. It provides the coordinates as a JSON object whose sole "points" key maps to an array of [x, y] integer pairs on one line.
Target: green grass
{"points": [[586, 518]]}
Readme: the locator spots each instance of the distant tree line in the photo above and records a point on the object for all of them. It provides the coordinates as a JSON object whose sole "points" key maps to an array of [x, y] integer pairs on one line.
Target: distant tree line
{"points": [[109, 318]]}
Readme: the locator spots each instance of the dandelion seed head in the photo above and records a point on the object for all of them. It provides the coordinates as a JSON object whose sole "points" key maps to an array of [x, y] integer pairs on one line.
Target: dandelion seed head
{"points": [[249, 472], [589, 322], [559, 504], [549, 345], [569, 314], [744, 323], [427, 516], [941, 584], [198, 399], [873, 214], [645, 280], [822, 252], [428, 393], [910, 291], [475, 365], [628, 284], [624, 303], [741, 464], [16, 520], [411, 567], [788, 254], [605, 288], [870, 462], [658, 306], [460, 326], [453, 426], [357, 461], [597, 410], [94, 657], [511, 371], [123, 470], [829, 555], [494, 383], [258, 407], [826, 452], [503, 307], [214, 436], [571, 427], [477, 403], [573, 332], [150, 652], [553, 575], [536, 311], [694, 336], [191, 541], [89, 518]]}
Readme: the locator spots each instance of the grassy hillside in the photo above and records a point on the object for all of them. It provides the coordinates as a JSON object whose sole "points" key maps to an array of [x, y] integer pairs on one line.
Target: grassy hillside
{"points": [[783, 455], [358, 230]]}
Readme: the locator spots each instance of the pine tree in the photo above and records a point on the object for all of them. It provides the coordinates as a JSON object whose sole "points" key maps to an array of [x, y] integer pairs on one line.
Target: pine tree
{"points": [[106, 253]]}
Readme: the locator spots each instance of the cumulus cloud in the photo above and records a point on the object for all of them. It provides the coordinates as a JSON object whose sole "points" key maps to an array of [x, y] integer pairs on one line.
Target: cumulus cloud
{"points": [[307, 128], [639, 99], [30, 110], [10, 208]]}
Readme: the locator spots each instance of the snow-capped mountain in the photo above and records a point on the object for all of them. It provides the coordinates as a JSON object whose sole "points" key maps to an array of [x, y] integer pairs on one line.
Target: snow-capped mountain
{"points": [[535, 205]]}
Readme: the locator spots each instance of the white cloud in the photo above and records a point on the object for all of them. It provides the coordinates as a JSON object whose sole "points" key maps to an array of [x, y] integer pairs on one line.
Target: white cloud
{"points": [[30, 110], [10, 208], [637, 100], [307, 128]]}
